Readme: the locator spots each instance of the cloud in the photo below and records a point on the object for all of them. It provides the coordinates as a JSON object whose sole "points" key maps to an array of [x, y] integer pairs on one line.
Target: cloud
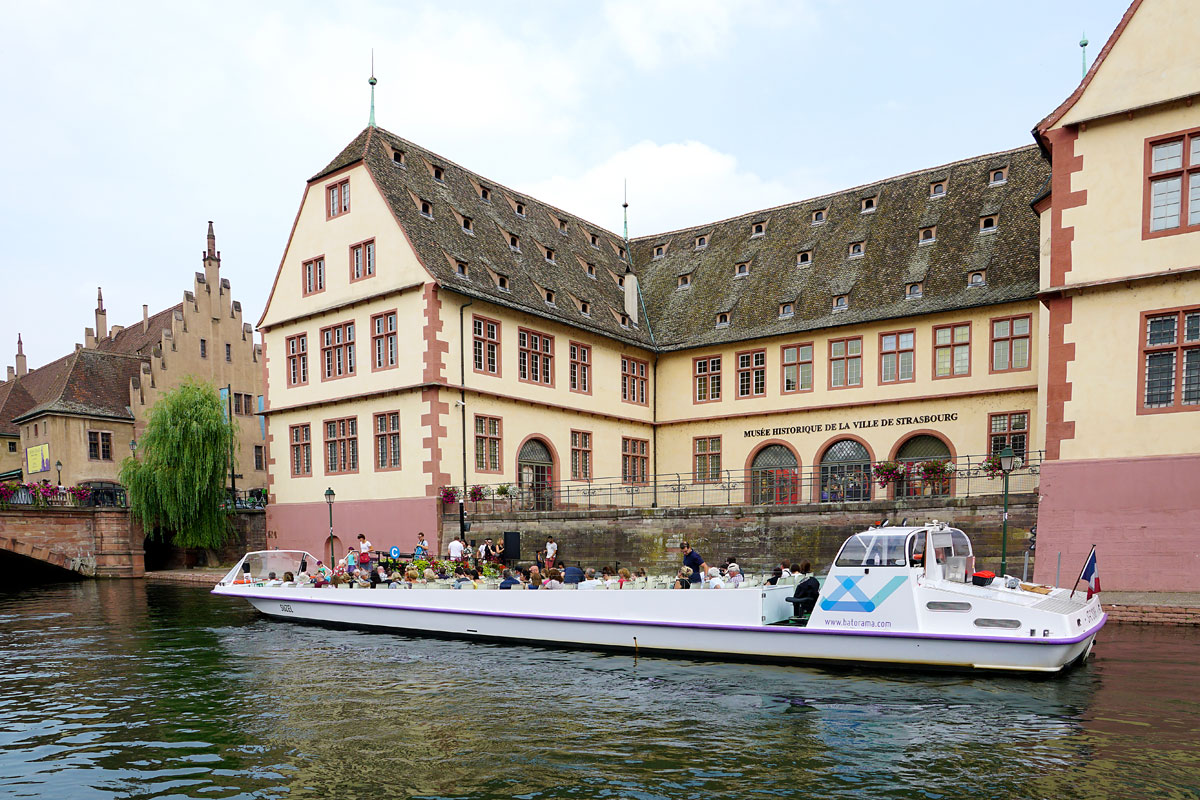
{"points": [[673, 185]]}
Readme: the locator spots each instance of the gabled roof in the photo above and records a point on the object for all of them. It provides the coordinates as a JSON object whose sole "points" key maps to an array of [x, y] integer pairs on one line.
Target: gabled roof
{"points": [[134, 341], [875, 282], [14, 401], [84, 383]]}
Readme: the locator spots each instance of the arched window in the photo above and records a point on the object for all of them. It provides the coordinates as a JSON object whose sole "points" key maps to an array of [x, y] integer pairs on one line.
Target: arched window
{"points": [[915, 452], [535, 475], [845, 472], [775, 476]]}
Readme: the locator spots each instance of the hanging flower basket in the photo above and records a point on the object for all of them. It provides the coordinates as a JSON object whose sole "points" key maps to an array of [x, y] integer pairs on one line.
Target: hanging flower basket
{"points": [[449, 494], [889, 472], [935, 470], [991, 467], [477, 493]]}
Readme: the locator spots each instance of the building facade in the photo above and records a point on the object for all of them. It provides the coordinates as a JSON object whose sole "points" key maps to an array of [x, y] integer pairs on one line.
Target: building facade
{"points": [[84, 410]]}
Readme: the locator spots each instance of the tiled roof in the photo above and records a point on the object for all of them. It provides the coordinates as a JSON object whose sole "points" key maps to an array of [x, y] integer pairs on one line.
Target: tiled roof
{"points": [[86, 382], [134, 341], [14, 401], [440, 241], [876, 282]]}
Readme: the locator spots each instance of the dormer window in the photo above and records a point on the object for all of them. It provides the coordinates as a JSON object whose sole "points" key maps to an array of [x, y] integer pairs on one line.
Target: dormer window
{"points": [[468, 225], [460, 268], [684, 281], [426, 209], [937, 189], [723, 320], [514, 242], [520, 209], [594, 239], [621, 281], [987, 224], [591, 271], [998, 176], [562, 227], [786, 310], [624, 320], [841, 303], [978, 278], [485, 194], [818, 217], [439, 174], [804, 258], [868, 205], [550, 254], [758, 229], [741, 270], [621, 252], [927, 235], [585, 308], [659, 251], [701, 242], [856, 250], [502, 283], [550, 297], [912, 291], [398, 158]]}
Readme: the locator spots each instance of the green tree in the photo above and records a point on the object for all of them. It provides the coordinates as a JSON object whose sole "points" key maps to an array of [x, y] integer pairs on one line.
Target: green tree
{"points": [[176, 483]]}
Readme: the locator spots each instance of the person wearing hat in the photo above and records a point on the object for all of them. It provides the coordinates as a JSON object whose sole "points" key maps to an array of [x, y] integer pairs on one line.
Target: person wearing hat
{"points": [[733, 576]]}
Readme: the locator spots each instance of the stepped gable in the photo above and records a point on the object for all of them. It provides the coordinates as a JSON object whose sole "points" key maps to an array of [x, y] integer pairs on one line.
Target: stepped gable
{"points": [[874, 283], [86, 382], [134, 341], [441, 241]]}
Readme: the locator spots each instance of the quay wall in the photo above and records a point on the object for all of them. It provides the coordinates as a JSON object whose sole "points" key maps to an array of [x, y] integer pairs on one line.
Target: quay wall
{"points": [[59, 536], [758, 536]]}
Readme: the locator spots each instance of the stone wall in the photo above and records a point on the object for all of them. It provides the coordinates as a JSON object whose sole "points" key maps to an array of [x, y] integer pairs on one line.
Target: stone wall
{"points": [[59, 536], [758, 536], [249, 533]]}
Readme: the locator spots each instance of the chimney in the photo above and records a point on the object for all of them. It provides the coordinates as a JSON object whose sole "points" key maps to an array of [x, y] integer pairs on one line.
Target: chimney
{"points": [[631, 296], [145, 317], [11, 374], [101, 316], [22, 368]]}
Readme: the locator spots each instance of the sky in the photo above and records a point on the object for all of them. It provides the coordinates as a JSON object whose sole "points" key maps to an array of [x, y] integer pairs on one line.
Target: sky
{"points": [[128, 125]]}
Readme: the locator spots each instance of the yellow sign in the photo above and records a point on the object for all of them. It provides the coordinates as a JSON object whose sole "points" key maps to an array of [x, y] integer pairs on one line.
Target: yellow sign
{"points": [[37, 459]]}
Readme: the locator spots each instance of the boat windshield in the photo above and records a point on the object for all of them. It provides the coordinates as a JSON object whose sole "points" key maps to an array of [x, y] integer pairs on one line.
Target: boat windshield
{"points": [[873, 549], [949, 543], [259, 565]]}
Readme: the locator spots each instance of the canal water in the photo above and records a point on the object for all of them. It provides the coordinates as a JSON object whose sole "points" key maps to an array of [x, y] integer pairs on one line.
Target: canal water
{"points": [[141, 690]]}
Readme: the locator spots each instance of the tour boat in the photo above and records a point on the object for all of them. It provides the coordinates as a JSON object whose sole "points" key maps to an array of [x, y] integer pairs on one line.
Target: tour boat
{"points": [[894, 597]]}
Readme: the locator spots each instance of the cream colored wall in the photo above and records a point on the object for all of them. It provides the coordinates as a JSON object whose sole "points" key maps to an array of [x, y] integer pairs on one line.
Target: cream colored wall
{"points": [[67, 437], [675, 369], [368, 483], [1154, 59], [10, 461], [369, 217], [1108, 229], [1106, 329]]}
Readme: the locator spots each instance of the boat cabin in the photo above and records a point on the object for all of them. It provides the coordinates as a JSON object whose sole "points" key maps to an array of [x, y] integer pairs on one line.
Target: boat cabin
{"points": [[951, 557]]}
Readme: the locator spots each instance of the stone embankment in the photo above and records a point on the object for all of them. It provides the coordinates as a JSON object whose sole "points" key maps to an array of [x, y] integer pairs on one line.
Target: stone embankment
{"points": [[1152, 608]]}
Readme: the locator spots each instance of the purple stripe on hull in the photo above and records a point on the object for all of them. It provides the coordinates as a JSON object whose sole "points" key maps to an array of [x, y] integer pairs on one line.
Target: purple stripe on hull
{"points": [[762, 628]]}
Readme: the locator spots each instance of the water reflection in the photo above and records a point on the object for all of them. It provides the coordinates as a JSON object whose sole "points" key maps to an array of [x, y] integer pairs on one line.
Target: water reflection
{"points": [[140, 690]]}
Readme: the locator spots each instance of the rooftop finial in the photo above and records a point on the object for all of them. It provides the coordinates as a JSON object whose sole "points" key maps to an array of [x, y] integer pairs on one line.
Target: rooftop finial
{"points": [[1083, 43], [99, 299], [20, 346], [212, 241], [372, 81], [625, 207]]}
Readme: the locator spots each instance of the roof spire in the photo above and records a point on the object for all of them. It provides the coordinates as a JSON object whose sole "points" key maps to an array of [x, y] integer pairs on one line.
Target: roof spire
{"points": [[20, 347], [372, 81], [99, 299], [212, 241], [1083, 43], [625, 206]]}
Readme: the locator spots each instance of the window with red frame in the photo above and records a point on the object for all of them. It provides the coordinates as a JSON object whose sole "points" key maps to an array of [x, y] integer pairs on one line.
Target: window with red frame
{"points": [[635, 463], [1009, 429], [387, 440], [752, 373], [581, 455], [383, 340], [487, 444], [337, 351], [1010, 343], [341, 445], [337, 199], [314, 276], [633, 380], [581, 368], [952, 350], [706, 458], [362, 260], [706, 379], [300, 437], [297, 359], [486, 345], [1171, 360], [845, 362], [797, 362], [896, 356], [1172, 192], [535, 357]]}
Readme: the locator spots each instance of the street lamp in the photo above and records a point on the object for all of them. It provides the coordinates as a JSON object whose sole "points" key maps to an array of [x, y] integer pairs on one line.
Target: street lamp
{"points": [[133, 447], [329, 495], [58, 466], [1008, 462]]}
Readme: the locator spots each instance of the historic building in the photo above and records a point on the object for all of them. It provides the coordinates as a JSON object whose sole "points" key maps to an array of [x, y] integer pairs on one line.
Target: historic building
{"points": [[1120, 285], [85, 409]]}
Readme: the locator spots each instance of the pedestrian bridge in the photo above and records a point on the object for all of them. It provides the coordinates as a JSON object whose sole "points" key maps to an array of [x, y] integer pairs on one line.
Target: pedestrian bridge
{"points": [[96, 542]]}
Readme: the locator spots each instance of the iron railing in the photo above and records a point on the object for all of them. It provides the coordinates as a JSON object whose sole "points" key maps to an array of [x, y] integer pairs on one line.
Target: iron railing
{"points": [[966, 476]]}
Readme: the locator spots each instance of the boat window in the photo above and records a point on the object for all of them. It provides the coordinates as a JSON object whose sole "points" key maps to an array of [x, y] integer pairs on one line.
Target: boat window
{"points": [[950, 542], [984, 622], [873, 549], [936, 605]]}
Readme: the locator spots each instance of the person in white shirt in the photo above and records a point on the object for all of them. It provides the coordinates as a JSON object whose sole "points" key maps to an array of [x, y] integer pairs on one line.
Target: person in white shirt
{"points": [[364, 546], [551, 551], [590, 581], [715, 581], [456, 549], [483, 551]]}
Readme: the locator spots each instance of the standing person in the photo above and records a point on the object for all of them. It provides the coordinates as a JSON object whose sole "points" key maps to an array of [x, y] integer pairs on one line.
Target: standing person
{"points": [[551, 551], [483, 553], [695, 562], [421, 551], [364, 549], [455, 549]]}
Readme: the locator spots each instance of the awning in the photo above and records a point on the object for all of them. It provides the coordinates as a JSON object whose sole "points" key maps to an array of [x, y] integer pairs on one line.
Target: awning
{"points": [[12, 474]]}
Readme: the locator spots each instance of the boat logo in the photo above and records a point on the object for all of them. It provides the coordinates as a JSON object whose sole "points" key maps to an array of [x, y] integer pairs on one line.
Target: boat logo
{"points": [[859, 602]]}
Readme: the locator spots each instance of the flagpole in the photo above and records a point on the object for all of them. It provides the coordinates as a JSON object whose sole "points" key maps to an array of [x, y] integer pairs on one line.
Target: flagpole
{"points": [[1081, 571]]}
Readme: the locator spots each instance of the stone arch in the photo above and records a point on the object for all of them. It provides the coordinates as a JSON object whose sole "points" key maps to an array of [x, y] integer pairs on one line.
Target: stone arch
{"points": [[922, 445], [777, 482], [537, 472], [843, 470]]}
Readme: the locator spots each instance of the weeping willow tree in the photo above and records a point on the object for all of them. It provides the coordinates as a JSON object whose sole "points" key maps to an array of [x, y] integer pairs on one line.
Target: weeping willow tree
{"points": [[176, 483]]}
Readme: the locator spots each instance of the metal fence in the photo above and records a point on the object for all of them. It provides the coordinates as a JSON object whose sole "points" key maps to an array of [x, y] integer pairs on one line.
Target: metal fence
{"points": [[967, 476]]}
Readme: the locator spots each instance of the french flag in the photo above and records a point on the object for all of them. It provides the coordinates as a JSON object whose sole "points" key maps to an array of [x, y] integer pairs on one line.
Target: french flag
{"points": [[1091, 574]]}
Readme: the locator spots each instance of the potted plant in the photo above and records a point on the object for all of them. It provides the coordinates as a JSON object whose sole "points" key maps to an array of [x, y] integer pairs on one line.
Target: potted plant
{"points": [[889, 472], [478, 492], [991, 466], [449, 495], [935, 470]]}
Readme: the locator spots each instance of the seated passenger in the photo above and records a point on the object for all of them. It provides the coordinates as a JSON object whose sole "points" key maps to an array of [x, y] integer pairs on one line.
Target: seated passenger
{"points": [[510, 581], [715, 581], [809, 590], [572, 574], [553, 579], [411, 577], [289, 577], [590, 581], [623, 578], [776, 574], [733, 576], [535, 581], [684, 579], [272, 580]]}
